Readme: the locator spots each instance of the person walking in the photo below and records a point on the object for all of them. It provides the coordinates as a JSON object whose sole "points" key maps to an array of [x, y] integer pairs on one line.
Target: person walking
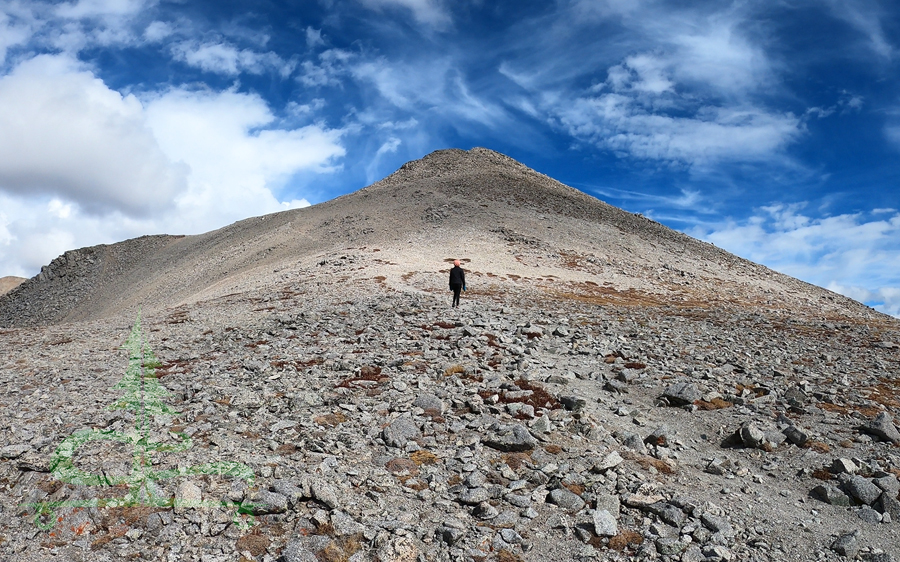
{"points": [[457, 282]]}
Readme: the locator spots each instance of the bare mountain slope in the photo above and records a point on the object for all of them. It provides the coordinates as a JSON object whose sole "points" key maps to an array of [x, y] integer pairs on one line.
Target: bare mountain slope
{"points": [[608, 390], [9, 283], [514, 225]]}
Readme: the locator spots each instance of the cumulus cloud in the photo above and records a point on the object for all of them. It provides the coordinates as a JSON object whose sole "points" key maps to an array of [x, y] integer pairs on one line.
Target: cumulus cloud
{"points": [[65, 133], [83, 165], [856, 254], [238, 157]]}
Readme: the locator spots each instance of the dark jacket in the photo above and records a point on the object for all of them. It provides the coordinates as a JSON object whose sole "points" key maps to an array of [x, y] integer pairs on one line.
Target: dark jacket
{"points": [[457, 277]]}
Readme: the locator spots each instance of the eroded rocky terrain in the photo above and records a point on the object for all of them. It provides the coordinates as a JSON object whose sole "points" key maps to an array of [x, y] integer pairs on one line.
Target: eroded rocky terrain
{"points": [[579, 405]]}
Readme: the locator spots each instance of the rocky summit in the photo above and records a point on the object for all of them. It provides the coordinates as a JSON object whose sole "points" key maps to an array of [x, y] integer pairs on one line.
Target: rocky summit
{"points": [[296, 388]]}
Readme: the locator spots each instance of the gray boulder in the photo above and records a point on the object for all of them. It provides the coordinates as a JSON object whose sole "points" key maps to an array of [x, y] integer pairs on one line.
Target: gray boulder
{"points": [[682, 394], [883, 427], [512, 438], [399, 431]]}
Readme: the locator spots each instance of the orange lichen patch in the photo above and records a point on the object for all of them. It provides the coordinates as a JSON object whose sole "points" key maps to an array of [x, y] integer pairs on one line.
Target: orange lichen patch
{"points": [[422, 457], [817, 446], [455, 369], [255, 543], [179, 316], [868, 411], [413, 483], [50, 486], [286, 449], [170, 367], [341, 549], [115, 532], [714, 404], [594, 294], [758, 392], [516, 461], [508, 556], [539, 398], [886, 393], [626, 539], [298, 365], [821, 474], [646, 462], [828, 407], [331, 420], [368, 376], [402, 466]]}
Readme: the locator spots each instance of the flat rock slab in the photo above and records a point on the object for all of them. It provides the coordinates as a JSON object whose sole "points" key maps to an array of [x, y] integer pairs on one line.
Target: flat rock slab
{"points": [[400, 431], [682, 394], [512, 438], [883, 427]]}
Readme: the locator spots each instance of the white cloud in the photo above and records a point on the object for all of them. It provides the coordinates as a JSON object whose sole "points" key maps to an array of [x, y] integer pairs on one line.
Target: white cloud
{"points": [[389, 146], [236, 161], [12, 34], [705, 136], [224, 58], [66, 133], [866, 19], [694, 90], [428, 12], [427, 84], [854, 254], [59, 209], [314, 37], [99, 8], [6, 237], [333, 63], [84, 165], [719, 58], [158, 31]]}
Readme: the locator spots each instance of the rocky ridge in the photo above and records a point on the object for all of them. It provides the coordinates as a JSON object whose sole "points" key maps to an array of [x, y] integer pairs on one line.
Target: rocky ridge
{"points": [[548, 418]]}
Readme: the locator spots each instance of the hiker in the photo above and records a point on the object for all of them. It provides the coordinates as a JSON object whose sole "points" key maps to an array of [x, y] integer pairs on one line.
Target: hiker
{"points": [[457, 281]]}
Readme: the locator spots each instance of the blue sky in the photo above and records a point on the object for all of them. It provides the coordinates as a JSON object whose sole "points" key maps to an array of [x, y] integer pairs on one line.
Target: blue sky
{"points": [[770, 128]]}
